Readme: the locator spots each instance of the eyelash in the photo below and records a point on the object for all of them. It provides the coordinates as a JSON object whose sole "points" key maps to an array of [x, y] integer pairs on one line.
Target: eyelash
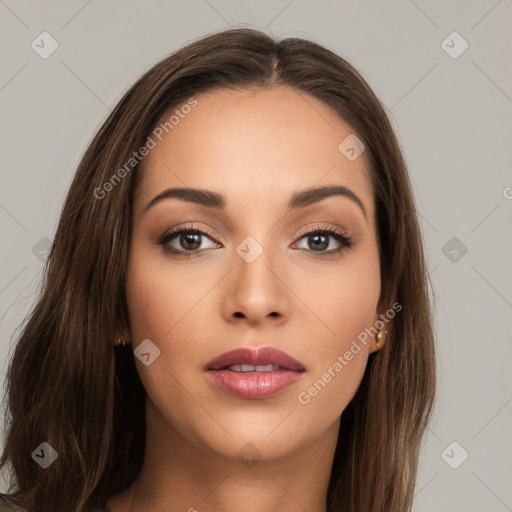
{"points": [[344, 240]]}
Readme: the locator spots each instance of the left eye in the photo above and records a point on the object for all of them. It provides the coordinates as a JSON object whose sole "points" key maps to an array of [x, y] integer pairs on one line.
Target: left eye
{"points": [[319, 241]]}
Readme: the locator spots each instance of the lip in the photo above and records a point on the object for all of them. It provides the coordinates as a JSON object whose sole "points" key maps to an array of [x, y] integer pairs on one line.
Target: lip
{"points": [[254, 384], [255, 356]]}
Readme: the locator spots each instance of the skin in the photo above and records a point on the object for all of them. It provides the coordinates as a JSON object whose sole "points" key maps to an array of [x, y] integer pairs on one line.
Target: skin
{"points": [[255, 147]]}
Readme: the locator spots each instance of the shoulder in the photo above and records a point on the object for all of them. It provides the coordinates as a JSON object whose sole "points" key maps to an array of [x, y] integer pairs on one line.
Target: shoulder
{"points": [[7, 505]]}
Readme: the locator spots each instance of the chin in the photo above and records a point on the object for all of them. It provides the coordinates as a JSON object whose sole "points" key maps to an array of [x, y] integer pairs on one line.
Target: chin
{"points": [[255, 446]]}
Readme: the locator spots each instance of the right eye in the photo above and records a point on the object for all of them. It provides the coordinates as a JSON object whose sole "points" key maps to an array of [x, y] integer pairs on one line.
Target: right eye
{"points": [[185, 241]]}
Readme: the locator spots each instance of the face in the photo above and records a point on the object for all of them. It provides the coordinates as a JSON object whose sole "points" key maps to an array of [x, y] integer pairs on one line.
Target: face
{"points": [[203, 280]]}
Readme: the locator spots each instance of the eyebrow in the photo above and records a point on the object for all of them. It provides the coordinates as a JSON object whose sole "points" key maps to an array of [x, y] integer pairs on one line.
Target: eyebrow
{"points": [[298, 199]]}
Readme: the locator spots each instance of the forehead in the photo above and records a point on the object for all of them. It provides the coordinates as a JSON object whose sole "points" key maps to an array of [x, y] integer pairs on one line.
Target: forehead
{"points": [[255, 145]]}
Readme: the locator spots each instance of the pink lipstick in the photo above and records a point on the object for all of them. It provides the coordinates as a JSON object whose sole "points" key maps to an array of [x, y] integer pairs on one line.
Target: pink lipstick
{"points": [[254, 373]]}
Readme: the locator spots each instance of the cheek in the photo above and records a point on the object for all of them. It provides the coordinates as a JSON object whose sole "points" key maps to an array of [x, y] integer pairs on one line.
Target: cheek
{"points": [[166, 304], [149, 309], [344, 301], [160, 296], [345, 304], [161, 308]]}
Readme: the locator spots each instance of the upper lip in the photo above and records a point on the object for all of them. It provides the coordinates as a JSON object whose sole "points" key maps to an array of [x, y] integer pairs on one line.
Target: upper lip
{"points": [[255, 356]]}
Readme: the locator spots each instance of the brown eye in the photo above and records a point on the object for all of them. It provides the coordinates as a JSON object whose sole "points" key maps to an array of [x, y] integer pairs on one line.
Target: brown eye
{"points": [[186, 241], [320, 240], [189, 241]]}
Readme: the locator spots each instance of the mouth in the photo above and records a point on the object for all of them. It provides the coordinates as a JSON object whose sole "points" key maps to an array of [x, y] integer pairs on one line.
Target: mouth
{"points": [[254, 373]]}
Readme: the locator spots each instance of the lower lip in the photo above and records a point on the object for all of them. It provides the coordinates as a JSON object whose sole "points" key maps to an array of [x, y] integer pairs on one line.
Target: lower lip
{"points": [[253, 385]]}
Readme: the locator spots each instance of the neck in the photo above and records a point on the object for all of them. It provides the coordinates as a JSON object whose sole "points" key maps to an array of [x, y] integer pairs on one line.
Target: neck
{"points": [[180, 475]]}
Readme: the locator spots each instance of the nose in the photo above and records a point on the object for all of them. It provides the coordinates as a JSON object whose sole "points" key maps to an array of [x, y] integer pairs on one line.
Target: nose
{"points": [[256, 291]]}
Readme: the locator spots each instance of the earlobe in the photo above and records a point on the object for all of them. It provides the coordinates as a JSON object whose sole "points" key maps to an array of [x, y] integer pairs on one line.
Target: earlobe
{"points": [[380, 323], [380, 339], [118, 341], [121, 340]]}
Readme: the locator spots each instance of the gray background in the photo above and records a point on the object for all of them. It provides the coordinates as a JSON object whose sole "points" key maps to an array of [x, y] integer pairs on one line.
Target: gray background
{"points": [[453, 119]]}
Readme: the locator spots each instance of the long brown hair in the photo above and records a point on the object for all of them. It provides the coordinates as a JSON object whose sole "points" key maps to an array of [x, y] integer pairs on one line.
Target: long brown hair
{"points": [[68, 386]]}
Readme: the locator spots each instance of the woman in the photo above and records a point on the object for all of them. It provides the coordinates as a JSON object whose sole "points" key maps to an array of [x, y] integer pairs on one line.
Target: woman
{"points": [[236, 306]]}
